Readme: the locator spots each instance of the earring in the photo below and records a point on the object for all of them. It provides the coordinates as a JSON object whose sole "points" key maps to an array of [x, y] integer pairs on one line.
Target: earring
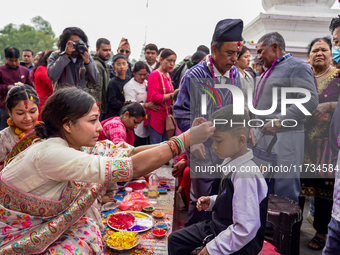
{"points": [[10, 122]]}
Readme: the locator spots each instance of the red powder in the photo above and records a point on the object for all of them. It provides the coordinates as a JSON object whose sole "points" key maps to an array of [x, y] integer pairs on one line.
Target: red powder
{"points": [[136, 185], [158, 232], [121, 220]]}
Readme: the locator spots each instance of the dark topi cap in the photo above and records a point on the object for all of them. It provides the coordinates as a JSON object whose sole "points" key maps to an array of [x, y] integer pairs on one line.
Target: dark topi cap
{"points": [[228, 30]]}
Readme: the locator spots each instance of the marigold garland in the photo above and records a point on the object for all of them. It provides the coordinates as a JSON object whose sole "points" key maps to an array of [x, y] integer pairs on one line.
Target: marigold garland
{"points": [[17, 131]]}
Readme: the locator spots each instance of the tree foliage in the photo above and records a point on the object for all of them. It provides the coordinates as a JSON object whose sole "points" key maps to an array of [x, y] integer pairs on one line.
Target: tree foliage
{"points": [[39, 37]]}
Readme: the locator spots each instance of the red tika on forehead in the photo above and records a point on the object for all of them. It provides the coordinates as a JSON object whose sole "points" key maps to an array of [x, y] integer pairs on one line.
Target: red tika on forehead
{"points": [[26, 104], [239, 43], [98, 107]]}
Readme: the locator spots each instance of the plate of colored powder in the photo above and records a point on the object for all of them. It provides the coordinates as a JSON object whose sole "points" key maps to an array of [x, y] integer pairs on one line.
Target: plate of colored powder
{"points": [[137, 185], [164, 187], [158, 214], [159, 232], [124, 240], [148, 208], [143, 222], [121, 221], [161, 226], [162, 191], [163, 183]]}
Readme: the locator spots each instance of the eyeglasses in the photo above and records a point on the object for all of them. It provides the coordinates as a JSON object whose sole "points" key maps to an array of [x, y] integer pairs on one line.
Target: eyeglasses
{"points": [[142, 74], [122, 51]]}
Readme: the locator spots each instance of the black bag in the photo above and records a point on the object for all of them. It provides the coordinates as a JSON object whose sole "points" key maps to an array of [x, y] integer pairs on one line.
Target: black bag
{"points": [[176, 75], [265, 158]]}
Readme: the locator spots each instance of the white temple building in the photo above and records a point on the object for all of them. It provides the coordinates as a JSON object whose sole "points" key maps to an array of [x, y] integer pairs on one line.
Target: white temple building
{"points": [[298, 21]]}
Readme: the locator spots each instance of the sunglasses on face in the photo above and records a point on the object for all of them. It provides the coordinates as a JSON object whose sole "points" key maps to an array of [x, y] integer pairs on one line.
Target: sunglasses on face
{"points": [[122, 51]]}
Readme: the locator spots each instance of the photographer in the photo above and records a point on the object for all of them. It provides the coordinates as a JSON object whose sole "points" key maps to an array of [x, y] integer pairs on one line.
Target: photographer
{"points": [[72, 64]]}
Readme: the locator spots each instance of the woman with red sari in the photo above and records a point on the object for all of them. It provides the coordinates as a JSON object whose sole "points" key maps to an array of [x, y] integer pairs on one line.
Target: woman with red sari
{"points": [[48, 182]]}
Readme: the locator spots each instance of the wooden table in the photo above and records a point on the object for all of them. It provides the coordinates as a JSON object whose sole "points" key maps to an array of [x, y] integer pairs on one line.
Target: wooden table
{"points": [[165, 203]]}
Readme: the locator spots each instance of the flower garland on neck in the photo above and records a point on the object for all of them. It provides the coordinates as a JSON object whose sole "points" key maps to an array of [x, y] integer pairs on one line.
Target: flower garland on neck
{"points": [[17, 130], [266, 73], [213, 72]]}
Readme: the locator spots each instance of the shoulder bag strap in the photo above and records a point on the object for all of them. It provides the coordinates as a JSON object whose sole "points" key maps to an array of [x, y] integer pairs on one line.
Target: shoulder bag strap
{"points": [[165, 102]]}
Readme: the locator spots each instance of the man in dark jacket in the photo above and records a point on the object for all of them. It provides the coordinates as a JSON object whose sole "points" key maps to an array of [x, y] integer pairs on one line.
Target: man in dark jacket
{"points": [[98, 90], [73, 64]]}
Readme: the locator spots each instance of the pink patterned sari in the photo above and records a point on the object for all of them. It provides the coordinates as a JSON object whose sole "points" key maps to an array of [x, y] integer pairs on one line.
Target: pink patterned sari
{"points": [[31, 224]]}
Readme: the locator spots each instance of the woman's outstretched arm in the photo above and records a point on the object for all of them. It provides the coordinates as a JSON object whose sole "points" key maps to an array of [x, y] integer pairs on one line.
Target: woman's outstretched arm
{"points": [[148, 160]]}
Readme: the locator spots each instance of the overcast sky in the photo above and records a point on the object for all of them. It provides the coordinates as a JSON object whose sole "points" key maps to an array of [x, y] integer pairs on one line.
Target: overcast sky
{"points": [[181, 25]]}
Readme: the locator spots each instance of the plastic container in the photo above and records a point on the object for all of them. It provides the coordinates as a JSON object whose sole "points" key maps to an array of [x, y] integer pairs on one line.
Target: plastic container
{"points": [[128, 190], [153, 188]]}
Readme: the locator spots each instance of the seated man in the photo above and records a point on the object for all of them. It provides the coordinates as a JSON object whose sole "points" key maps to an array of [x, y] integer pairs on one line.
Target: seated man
{"points": [[239, 210], [73, 64]]}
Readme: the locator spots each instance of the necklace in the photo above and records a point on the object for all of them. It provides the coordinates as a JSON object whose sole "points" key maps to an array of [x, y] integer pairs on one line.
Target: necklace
{"points": [[265, 75], [213, 72], [317, 76], [17, 130]]}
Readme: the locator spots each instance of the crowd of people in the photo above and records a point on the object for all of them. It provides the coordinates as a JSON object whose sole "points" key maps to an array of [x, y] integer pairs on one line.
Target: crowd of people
{"points": [[73, 124]]}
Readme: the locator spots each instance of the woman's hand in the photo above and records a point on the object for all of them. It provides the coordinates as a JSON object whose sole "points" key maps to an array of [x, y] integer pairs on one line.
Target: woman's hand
{"points": [[201, 133], [175, 91], [86, 56], [198, 121], [108, 198], [203, 203], [152, 106], [178, 169], [320, 110]]}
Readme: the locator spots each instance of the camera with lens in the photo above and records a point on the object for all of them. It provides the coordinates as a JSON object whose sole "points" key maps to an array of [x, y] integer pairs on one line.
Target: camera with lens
{"points": [[80, 47]]}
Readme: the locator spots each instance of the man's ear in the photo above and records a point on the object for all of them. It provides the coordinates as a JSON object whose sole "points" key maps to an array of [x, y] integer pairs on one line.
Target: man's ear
{"points": [[213, 49], [275, 47], [67, 126]]}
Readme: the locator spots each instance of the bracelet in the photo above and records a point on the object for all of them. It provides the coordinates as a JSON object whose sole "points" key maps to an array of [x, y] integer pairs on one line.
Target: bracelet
{"points": [[179, 144], [143, 105], [172, 146], [170, 95]]}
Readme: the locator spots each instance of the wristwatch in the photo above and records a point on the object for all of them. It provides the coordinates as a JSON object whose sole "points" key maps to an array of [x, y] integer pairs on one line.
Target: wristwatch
{"points": [[277, 123]]}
